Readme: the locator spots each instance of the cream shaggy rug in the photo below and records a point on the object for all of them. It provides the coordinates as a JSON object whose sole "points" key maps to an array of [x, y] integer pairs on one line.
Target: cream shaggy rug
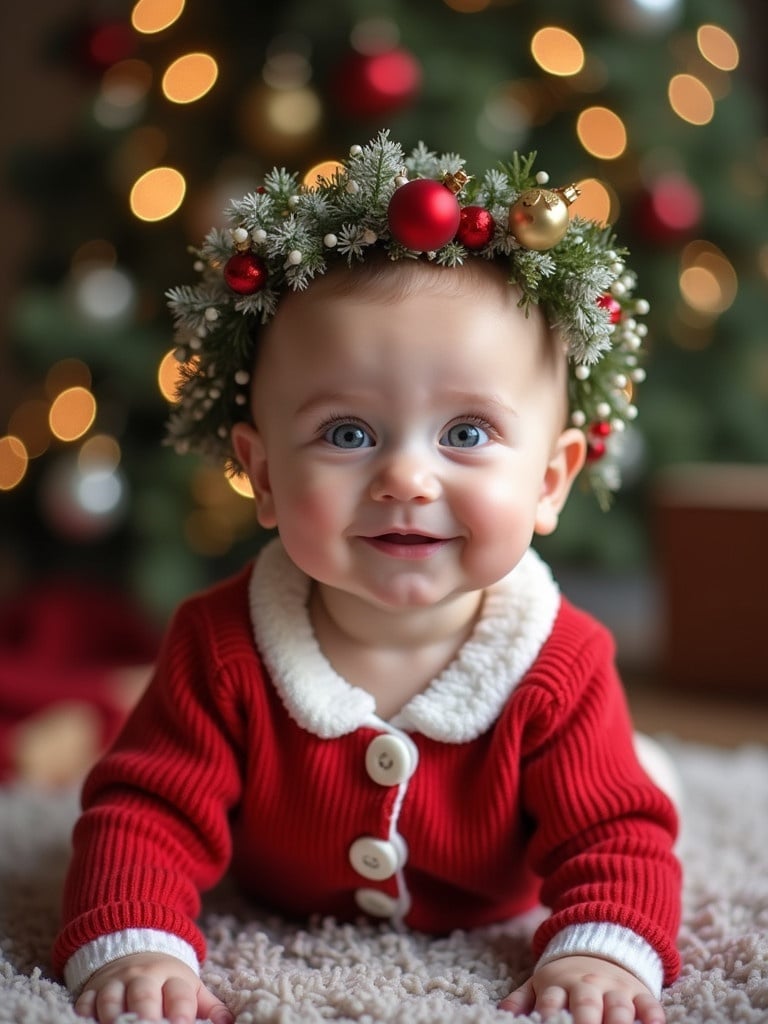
{"points": [[270, 971]]}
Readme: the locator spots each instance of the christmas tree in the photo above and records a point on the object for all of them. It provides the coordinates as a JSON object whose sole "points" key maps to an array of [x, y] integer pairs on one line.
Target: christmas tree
{"points": [[645, 105]]}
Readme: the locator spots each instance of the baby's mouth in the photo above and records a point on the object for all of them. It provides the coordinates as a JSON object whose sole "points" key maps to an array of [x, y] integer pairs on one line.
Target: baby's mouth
{"points": [[406, 545]]}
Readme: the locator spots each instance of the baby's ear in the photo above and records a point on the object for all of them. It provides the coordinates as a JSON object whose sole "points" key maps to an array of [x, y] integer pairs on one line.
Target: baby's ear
{"points": [[568, 454], [252, 456]]}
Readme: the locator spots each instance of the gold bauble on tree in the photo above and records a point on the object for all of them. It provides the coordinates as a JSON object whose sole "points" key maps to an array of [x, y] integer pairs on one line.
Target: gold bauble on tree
{"points": [[538, 218]]}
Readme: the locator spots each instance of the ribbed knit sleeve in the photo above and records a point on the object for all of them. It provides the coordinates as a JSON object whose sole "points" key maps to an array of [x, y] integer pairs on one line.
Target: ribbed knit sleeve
{"points": [[154, 830], [603, 833]]}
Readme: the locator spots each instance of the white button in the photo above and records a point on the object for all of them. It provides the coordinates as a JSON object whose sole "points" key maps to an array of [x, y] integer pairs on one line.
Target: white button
{"points": [[388, 760], [374, 858], [375, 902]]}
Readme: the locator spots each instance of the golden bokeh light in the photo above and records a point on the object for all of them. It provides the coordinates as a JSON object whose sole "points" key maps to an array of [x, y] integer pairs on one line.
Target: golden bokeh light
{"points": [[325, 170], [601, 133], [293, 111], [718, 47], [708, 280], [29, 422], [150, 16], [13, 462], [557, 51], [240, 484], [597, 202], [72, 413], [66, 373], [190, 77], [158, 193], [100, 452], [690, 99], [169, 376]]}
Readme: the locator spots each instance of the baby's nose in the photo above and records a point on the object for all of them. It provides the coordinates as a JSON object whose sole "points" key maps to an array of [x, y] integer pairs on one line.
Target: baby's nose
{"points": [[404, 476]]}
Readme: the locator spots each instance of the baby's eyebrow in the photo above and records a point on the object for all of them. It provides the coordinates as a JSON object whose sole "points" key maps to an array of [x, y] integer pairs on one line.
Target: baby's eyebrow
{"points": [[479, 400], [324, 399]]}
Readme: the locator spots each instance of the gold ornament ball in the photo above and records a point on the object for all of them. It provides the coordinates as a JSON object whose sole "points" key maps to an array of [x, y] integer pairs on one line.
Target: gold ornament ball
{"points": [[538, 218]]}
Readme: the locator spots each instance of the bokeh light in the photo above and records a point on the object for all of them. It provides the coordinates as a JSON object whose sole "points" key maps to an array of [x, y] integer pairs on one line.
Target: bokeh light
{"points": [[323, 170], [597, 202], [708, 280], [66, 373], [29, 422], [690, 99], [240, 484], [150, 16], [190, 77], [13, 462], [601, 132], [105, 294], [101, 451], [293, 111], [124, 87], [557, 51], [72, 413], [169, 376], [718, 47], [158, 193]]}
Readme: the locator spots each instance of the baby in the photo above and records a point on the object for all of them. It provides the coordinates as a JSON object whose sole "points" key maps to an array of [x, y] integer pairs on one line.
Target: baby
{"points": [[392, 712]]}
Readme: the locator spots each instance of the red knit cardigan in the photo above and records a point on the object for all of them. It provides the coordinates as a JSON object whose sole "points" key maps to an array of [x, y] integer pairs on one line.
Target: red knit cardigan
{"points": [[212, 771]]}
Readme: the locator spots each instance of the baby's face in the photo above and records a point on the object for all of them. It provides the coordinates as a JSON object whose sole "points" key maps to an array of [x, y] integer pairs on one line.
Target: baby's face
{"points": [[408, 446]]}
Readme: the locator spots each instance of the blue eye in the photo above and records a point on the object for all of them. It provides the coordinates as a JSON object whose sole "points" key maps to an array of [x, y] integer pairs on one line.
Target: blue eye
{"points": [[464, 435], [348, 435]]}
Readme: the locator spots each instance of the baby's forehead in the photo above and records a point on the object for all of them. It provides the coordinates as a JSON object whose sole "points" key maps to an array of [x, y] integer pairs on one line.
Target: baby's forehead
{"points": [[343, 294]]}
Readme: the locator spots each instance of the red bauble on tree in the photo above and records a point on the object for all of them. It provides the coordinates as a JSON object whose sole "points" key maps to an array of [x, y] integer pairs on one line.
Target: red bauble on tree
{"points": [[245, 273], [370, 85], [476, 227], [613, 306], [669, 210], [423, 214]]}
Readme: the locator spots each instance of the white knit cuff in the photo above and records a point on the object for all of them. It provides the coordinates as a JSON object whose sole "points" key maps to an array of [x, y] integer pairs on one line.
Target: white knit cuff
{"points": [[107, 948], [611, 942]]}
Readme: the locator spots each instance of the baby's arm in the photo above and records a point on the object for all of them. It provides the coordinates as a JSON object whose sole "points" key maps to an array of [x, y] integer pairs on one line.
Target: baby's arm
{"points": [[153, 986], [596, 991]]}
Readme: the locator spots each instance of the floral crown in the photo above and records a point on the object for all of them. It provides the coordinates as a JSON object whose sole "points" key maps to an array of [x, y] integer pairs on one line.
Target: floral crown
{"points": [[284, 234]]}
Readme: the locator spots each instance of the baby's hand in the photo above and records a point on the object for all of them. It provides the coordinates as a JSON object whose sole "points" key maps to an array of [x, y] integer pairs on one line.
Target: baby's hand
{"points": [[595, 991], [153, 986]]}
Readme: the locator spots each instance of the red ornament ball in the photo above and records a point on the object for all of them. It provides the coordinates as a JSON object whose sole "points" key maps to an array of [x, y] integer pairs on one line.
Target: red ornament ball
{"points": [[600, 429], [476, 227], [423, 215], [612, 305], [245, 273], [595, 450], [368, 85]]}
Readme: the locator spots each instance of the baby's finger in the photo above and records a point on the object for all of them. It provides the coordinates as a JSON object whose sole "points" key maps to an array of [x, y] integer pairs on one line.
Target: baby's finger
{"points": [[551, 1000], [619, 1008], [649, 1010], [85, 1005], [144, 997], [519, 1001], [110, 1001], [180, 1001], [585, 1002]]}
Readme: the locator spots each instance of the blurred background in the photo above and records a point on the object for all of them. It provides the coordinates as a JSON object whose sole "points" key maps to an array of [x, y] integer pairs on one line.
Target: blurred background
{"points": [[125, 129]]}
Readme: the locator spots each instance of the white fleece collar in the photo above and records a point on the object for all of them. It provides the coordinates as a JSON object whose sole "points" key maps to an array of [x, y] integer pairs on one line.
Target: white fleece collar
{"points": [[459, 705]]}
